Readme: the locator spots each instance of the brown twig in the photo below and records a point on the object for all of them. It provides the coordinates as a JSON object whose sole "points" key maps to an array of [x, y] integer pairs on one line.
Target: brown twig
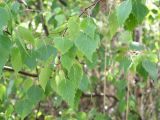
{"points": [[89, 7], [10, 69], [99, 95]]}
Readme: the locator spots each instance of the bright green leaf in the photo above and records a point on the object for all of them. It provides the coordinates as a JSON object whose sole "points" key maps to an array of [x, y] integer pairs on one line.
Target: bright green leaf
{"points": [[25, 34], [88, 26], [66, 89], [16, 59], [2, 91], [73, 27], [87, 45], [67, 59], [76, 74], [113, 23], [44, 76], [63, 44]]}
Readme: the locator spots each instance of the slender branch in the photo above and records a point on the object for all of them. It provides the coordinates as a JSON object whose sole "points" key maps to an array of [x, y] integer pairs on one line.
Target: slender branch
{"points": [[10, 69], [99, 95], [89, 7], [104, 82]]}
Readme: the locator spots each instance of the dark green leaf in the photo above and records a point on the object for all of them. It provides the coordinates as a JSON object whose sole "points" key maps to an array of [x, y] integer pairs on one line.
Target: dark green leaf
{"points": [[151, 68]]}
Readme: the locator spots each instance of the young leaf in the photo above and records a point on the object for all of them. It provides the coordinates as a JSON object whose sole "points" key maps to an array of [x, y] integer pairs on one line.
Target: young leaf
{"points": [[66, 89], [26, 34], [63, 44], [68, 59], [76, 74], [16, 59], [151, 68], [87, 45], [88, 26], [73, 27], [44, 76], [113, 23], [123, 11], [2, 91]]}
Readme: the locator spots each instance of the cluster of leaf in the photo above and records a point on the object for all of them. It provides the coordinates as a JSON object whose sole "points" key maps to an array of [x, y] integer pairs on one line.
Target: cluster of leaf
{"points": [[58, 59]]}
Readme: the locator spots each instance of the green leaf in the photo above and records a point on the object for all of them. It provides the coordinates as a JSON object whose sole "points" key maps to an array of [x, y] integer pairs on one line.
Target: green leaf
{"points": [[76, 74], [5, 45], [44, 76], [87, 45], [29, 58], [125, 37], [77, 99], [67, 88], [16, 59], [123, 11], [67, 59], [139, 10], [88, 26], [100, 116], [125, 63], [67, 91], [92, 65], [151, 68], [84, 84], [4, 20], [44, 52], [23, 108], [113, 23], [141, 71], [35, 94], [63, 44], [131, 22], [25, 34], [73, 27], [2, 91], [27, 84]]}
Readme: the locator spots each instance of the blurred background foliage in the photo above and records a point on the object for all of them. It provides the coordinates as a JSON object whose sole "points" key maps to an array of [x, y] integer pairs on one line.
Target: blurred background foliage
{"points": [[119, 82]]}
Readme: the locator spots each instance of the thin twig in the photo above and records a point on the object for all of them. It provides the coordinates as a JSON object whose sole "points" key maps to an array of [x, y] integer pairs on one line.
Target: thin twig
{"points": [[99, 95], [89, 7], [104, 82], [10, 69]]}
